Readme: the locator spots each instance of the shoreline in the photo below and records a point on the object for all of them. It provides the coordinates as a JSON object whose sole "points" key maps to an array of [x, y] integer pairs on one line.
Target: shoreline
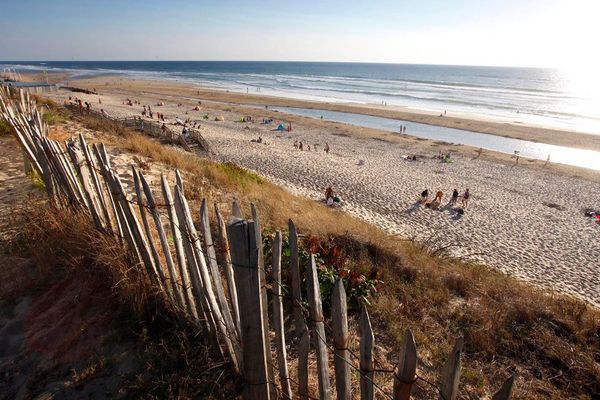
{"points": [[224, 102], [484, 125]]}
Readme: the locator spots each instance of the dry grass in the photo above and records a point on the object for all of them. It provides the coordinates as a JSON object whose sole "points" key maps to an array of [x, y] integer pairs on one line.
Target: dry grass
{"points": [[552, 342], [175, 361]]}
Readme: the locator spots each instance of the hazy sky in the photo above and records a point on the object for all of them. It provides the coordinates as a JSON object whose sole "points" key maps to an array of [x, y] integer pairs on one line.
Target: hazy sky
{"points": [[479, 32]]}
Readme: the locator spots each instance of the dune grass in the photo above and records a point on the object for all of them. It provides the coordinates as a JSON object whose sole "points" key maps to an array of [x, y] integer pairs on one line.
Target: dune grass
{"points": [[551, 341]]}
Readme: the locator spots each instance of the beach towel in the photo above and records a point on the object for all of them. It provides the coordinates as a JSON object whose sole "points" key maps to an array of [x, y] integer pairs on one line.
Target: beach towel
{"points": [[281, 127]]}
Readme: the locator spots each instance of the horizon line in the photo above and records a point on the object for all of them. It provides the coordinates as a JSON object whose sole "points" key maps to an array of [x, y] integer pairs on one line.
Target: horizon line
{"points": [[300, 61]]}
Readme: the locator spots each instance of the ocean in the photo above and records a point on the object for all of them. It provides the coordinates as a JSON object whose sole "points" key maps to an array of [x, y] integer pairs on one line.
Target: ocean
{"points": [[547, 97]]}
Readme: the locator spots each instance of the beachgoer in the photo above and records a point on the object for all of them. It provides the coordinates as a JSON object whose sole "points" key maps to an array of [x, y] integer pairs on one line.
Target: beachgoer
{"points": [[328, 193], [465, 198], [424, 196], [454, 198], [437, 200], [326, 147], [295, 144], [300, 146]]}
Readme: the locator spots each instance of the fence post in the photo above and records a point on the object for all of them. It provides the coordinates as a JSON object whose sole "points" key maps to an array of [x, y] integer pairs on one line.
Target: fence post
{"points": [[451, 373], [224, 249], [263, 293], [236, 211], [505, 392], [339, 320], [200, 279], [104, 163], [179, 250], [278, 321], [244, 256], [94, 175], [144, 217], [164, 243], [135, 229], [405, 373], [299, 322], [215, 274], [303, 350], [316, 315], [366, 356]]}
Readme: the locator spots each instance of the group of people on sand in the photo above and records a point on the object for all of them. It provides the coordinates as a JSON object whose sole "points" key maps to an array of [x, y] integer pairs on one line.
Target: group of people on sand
{"points": [[300, 146], [437, 200]]}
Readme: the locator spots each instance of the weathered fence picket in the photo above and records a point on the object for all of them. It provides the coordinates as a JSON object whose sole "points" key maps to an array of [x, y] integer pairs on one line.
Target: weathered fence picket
{"points": [[278, 320], [162, 236], [339, 322], [296, 279], [263, 293], [316, 316], [226, 257], [367, 343], [179, 251], [405, 373], [244, 256], [451, 373]]}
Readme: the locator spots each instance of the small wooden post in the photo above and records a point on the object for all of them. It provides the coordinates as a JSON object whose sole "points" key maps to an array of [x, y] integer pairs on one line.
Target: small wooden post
{"points": [[367, 342], [296, 280], [263, 293], [224, 249], [94, 176], [150, 239], [162, 236], [104, 163], [236, 211], [214, 271], [278, 321], [179, 250], [179, 180], [200, 279], [505, 392], [451, 373], [405, 373], [244, 256], [303, 350], [339, 320], [316, 314]]}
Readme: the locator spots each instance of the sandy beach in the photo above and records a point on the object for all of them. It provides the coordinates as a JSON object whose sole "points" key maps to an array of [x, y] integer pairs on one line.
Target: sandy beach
{"points": [[524, 219]]}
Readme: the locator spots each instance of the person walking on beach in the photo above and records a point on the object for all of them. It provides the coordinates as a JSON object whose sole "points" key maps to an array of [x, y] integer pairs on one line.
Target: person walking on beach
{"points": [[454, 198], [300, 146], [465, 199]]}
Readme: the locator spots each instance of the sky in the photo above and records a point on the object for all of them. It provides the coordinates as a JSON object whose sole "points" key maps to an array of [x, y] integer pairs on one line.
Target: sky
{"points": [[536, 33]]}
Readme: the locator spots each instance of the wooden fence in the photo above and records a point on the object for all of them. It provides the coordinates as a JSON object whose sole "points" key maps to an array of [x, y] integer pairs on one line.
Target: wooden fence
{"points": [[155, 129], [220, 283]]}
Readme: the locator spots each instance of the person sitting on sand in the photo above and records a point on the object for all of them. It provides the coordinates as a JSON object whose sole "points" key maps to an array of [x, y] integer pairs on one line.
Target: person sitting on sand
{"points": [[465, 199], [424, 196], [329, 193], [300, 146], [437, 200], [326, 147]]}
